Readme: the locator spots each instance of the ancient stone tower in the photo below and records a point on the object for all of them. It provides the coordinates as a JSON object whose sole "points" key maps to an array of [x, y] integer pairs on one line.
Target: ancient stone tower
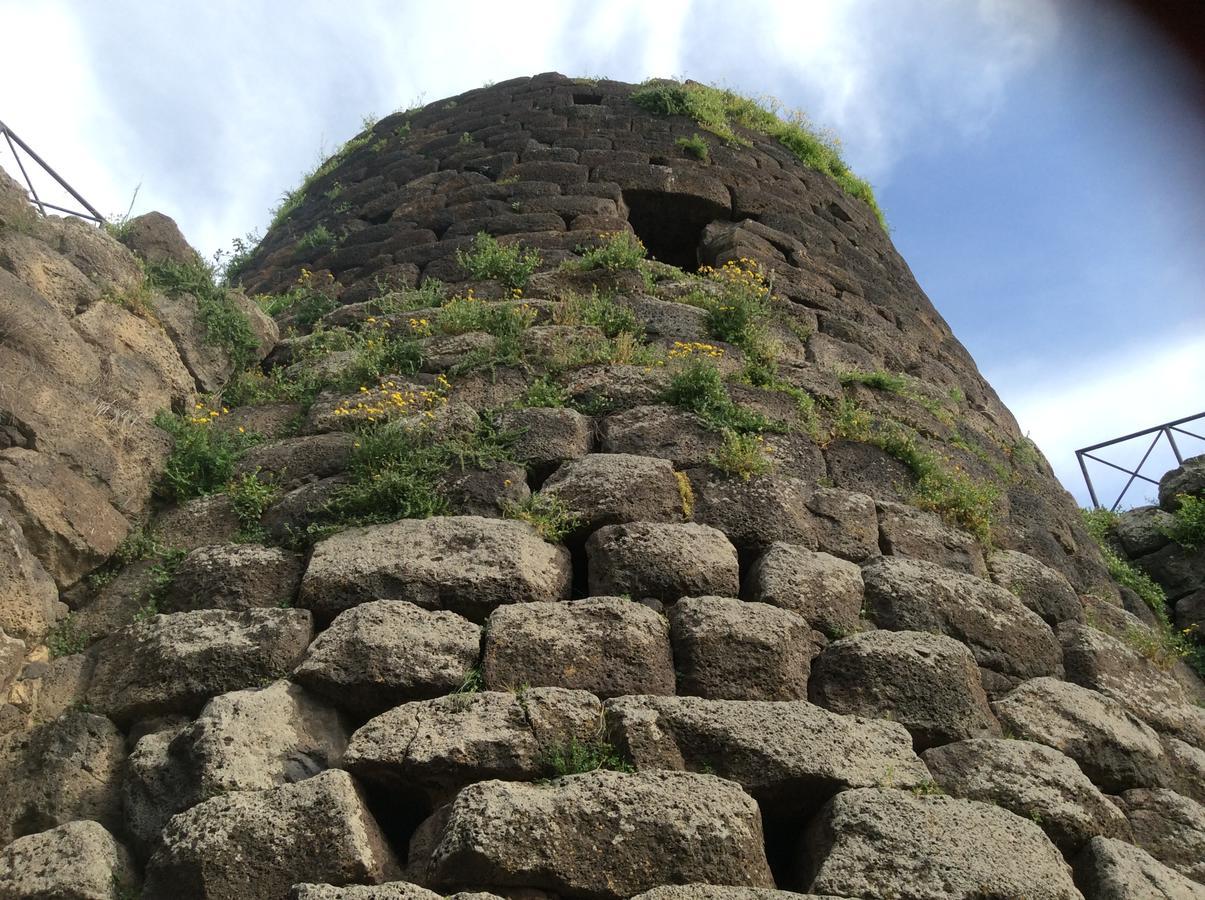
{"points": [[579, 499]]}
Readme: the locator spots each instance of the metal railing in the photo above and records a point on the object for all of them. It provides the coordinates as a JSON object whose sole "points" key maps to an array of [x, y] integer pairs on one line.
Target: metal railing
{"points": [[15, 142], [1167, 431]]}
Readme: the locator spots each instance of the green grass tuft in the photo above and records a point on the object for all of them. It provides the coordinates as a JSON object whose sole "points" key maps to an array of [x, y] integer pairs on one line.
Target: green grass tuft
{"points": [[509, 264]]}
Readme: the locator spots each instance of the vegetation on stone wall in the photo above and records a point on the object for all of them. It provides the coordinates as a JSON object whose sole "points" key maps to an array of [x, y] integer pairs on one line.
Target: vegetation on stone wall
{"points": [[508, 263], [226, 325], [723, 112], [1189, 528]]}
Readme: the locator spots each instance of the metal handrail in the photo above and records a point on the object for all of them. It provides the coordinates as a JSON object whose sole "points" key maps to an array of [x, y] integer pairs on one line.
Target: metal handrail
{"points": [[1159, 431], [10, 137]]}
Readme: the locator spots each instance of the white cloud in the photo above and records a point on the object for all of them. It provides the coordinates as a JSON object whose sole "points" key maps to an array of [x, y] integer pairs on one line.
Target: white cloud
{"points": [[1105, 399]]}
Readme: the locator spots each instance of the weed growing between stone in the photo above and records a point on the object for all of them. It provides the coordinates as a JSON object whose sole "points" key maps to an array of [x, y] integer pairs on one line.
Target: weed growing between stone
{"points": [[203, 456], [697, 385], [695, 147], [600, 311], [309, 299], [66, 637], [1165, 644], [742, 455], [722, 111], [317, 238], [575, 757], [226, 325], [1189, 528], [547, 514], [616, 251], [509, 264], [544, 392], [251, 496]]}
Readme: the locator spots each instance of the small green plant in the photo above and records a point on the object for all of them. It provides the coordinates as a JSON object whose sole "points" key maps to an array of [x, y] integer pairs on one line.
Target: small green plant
{"points": [[66, 637], [509, 264], [309, 299], [697, 385], [722, 112], [226, 325], [598, 310], [203, 455], [465, 138], [1188, 530], [616, 251], [743, 455], [686, 495], [393, 300], [544, 392], [251, 496], [160, 577], [880, 380], [696, 147], [574, 757], [546, 513], [317, 238]]}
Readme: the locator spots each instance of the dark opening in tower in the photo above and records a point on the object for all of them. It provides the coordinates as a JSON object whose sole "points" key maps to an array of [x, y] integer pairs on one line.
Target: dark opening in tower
{"points": [[671, 225]]}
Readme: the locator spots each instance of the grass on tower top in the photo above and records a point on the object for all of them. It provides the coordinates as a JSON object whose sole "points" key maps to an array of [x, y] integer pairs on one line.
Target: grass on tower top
{"points": [[722, 111]]}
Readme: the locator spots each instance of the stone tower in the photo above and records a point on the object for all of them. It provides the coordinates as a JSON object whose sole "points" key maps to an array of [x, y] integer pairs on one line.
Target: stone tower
{"points": [[588, 504]]}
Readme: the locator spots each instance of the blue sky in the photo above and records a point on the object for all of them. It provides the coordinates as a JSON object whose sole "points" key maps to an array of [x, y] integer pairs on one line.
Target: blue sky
{"points": [[1039, 160]]}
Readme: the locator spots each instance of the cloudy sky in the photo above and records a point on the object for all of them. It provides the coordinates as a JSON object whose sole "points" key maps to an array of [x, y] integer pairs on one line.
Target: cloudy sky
{"points": [[1040, 161]]}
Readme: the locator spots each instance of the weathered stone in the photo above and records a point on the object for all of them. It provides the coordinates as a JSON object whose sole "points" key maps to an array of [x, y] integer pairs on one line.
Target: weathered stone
{"points": [[661, 561], [823, 589], [267, 420], [909, 532], [1178, 570], [115, 604], [1190, 611], [1143, 529], [754, 513], [433, 748], [287, 518], [548, 436], [1109, 869], [1041, 588], [393, 890], [614, 488], [209, 364], [928, 683], [1170, 828], [661, 431], [490, 490], [1187, 767], [1031, 780], [719, 892], [889, 843], [845, 523], [198, 523], [616, 386], [66, 769], [791, 756], [58, 688], [466, 564], [255, 844], [156, 238], [1115, 749], [235, 577], [75, 861], [1002, 634], [291, 461], [606, 645], [1114, 668], [678, 827], [70, 524], [29, 600], [727, 649], [167, 664], [241, 741], [866, 469], [1187, 478], [12, 658], [379, 654], [50, 274]]}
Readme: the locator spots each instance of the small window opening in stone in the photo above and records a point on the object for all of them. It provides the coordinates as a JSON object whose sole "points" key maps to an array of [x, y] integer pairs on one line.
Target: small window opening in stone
{"points": [[587, 99], [671, 225]]}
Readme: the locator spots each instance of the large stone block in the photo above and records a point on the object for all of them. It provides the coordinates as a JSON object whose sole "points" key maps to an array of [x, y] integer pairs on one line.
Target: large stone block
{"points": [[1110, 869], [928, 683], [889, 843], [75, 861], [253, 845], [791, 756], [823, 589], [377, 655], [677, 827], [613, 488], [466, 564], [174, 663], [661, 561], [606, 645]]}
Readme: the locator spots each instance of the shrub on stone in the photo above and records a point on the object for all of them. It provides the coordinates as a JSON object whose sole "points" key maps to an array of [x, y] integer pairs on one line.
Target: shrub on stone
{"points": [[577, 757], [1189, 528], [202, 457], [544, 392], [226, 326], [509, 264], [697, 385], [695, 146], [547, 514], [317, 238], [598, 310], [743, 455], [250, 497], [616, 251]]}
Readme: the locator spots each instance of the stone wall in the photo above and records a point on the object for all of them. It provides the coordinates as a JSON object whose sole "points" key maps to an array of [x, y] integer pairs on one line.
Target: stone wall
{"points": [[531, 586]]}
